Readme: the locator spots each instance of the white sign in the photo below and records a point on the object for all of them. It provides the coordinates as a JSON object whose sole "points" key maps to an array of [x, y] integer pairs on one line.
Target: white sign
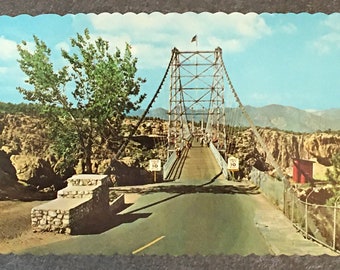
{"points": [[155, 165], [233, 164]]}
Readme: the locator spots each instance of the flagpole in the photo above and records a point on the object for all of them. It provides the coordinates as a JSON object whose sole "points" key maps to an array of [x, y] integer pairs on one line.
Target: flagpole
{"points": [[196, 41], [195, 38]]}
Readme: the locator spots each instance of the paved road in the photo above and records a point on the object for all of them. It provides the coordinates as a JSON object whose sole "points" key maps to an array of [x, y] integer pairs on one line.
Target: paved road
{"points": [[200, 213]]}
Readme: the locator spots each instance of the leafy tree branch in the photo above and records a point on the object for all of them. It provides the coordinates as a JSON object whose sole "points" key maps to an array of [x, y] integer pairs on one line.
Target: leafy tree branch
{"points": [[101, 88]]}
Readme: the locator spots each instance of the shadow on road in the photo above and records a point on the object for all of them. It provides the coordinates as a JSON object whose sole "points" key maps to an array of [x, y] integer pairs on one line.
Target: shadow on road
{"points": [[97, 224], [203, 188], [212, 180], [155, 203], [181, 190], [177, 168], [104, 222], [187, 189]]}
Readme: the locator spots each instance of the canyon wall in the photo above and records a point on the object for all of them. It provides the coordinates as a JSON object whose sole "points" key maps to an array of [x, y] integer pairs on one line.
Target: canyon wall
{"points": [[26, 156]]}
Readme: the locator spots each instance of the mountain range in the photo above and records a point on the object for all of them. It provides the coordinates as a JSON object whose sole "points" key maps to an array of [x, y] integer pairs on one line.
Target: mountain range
{"points": [[273, 116]]}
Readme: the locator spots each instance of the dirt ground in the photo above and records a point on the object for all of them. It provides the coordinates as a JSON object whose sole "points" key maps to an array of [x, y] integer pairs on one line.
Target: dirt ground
{"points": [[15, 228]]}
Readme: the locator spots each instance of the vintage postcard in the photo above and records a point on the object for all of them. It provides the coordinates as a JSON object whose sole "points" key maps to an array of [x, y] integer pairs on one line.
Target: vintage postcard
{"points": [[175, 134]]}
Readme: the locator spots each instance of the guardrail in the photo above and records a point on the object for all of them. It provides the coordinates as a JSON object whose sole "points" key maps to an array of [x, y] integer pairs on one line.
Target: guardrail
{"points": [[314, 221], [168, 165], [220, 160]]}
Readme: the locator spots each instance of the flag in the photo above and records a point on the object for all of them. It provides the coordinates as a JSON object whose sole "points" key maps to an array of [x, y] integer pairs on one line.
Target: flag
{"points": [[194, 38]]}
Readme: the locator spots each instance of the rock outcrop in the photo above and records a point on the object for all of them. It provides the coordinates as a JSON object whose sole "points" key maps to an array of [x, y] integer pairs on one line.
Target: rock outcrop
{"points": [[27, 160], [284, 147], [10, 187], [24, 140], [35, 171], [26, 155]]}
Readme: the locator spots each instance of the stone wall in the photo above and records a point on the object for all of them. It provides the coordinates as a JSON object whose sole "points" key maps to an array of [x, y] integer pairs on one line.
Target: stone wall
{"points": [[118, 204], [84, 197]]}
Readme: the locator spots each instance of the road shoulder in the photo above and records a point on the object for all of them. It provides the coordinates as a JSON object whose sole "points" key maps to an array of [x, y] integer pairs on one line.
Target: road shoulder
{"points": [[281, 235]]}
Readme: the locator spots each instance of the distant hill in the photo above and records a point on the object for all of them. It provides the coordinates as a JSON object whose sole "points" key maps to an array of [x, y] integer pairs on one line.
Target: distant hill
{"points": [[333, 114], [293, 119], [273, 116], [156, 113]]}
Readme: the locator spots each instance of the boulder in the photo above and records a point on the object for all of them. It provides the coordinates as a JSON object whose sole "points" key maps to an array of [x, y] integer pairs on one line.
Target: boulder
{"points": [[7, 168], [35, 171]]}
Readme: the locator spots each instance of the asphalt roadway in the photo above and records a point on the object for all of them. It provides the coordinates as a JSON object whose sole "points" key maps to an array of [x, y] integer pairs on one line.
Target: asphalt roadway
{"points": [[199, 213]]}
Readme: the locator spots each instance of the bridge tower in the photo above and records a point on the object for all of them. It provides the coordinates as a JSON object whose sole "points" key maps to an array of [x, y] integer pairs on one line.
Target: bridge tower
{"points": [[196, 101]]}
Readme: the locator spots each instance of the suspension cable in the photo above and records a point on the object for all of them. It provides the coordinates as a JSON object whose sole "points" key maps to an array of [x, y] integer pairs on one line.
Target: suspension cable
{"points": [[253, 127], [134, 129]]}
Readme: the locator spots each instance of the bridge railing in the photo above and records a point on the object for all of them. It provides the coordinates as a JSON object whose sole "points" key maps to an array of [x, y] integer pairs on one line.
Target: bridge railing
{"points": [[168, 165], [220, 160]]}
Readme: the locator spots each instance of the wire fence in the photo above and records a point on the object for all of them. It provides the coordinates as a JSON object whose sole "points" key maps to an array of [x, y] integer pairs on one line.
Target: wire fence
{"points": [[318, 222]]}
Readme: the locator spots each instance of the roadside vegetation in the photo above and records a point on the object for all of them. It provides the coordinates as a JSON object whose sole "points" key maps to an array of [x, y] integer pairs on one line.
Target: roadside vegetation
{"points": [[29, 109], [334, 178], [103, 88]]}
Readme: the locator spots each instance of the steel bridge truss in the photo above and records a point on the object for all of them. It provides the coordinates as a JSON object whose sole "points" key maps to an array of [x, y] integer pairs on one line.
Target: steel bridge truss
{"points": [[196, 99]]}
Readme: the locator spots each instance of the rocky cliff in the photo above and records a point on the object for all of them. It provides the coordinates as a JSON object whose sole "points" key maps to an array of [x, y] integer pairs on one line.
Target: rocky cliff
{"points": [[27, 161], [26, 156], [285, 146]]}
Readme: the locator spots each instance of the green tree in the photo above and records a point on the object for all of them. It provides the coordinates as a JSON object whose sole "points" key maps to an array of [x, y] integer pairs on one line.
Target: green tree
{"points": [[334, 178], [334, 175], [101, 85]]}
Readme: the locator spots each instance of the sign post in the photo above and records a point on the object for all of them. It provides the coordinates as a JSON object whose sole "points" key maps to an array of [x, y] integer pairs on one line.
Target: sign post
{"points": [[233, 165], [155, 166]]}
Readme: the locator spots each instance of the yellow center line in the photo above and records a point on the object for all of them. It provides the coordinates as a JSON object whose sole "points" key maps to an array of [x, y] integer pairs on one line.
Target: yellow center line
{"points": [[148, 245]]}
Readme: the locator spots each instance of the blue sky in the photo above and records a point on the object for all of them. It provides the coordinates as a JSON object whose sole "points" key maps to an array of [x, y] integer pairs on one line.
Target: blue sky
{"points": [[287, 59]]}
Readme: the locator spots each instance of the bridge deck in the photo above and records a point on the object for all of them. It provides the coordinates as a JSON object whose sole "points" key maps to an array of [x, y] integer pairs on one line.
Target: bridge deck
{"points": [[198, 166]]}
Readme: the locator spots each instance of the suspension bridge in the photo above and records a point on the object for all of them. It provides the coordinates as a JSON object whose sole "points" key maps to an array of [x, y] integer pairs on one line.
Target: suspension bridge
{"points": [[198, 211], [200, 91]]}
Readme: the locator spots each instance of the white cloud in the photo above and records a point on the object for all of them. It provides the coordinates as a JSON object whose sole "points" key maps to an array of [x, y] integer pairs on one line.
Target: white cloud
{"points": [[321, 47], [56, 58], [333, 22], [152, 36], [3, 70], [8, 49], [11, 75], [10, 70], [154, 27], [249, 25], [327, 43], [149, 56], [230, 45], [330, 40], [29, 46], [115, 41], [63, 45], [289, 28]]}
